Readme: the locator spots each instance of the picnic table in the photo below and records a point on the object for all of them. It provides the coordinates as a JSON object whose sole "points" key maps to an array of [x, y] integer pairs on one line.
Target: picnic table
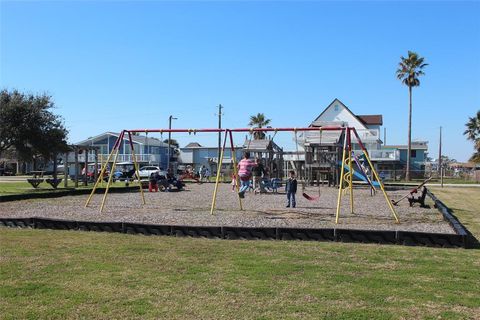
{"points": [[37, 178], [37, 174]]}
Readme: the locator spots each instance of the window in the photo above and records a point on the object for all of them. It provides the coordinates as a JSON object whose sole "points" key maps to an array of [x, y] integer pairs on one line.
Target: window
{"points": [[103, 148], [135, 146], [413, 153], [336, 107]]}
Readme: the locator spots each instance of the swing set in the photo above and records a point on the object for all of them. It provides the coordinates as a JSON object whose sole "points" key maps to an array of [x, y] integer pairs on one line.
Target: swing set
{"points": [[346, 179]]}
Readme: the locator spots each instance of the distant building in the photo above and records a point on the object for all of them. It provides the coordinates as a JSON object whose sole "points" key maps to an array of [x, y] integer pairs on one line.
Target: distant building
{"points": [[195, 155], [390, 161], [367, 126], [418, 158], [148, 151]]}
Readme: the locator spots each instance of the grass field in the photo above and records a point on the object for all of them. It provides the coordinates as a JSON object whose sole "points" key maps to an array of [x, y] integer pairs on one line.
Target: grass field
{"points": [[20, 187], [465, 203], [68, 274]]}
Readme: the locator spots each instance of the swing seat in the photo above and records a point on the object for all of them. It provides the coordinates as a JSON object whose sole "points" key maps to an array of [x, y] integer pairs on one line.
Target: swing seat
{"points": [[310, 198]]}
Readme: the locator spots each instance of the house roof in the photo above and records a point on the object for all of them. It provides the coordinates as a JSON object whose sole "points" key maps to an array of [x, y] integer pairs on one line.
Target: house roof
{"points": [[136, 139], [263, 144], [371, 119], [415, 146], [196, 145], [331, 104], [326, 138], [260, 145], [193, 145]]}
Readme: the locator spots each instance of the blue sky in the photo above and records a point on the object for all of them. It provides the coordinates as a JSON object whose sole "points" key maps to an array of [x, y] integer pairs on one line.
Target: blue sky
{"points": [[116, 65]]}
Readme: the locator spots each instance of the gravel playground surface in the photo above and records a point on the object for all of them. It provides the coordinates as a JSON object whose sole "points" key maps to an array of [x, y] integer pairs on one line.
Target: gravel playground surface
{"points": [[192, 207]]}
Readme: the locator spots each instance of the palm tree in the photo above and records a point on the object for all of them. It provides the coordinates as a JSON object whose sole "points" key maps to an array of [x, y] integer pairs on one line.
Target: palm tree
{"points": [[258, 121], [409, 69], [473, 133]]}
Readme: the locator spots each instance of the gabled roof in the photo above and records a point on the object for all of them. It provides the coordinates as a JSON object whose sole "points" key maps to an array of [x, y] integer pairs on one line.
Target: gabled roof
{"points": [[331, 104], [375, 119], [136, 139], [371, 119], [260, 145], [193, 145]]}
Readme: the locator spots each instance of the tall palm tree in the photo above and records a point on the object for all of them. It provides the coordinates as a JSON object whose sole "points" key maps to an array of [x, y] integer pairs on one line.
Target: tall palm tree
{"points": [[409, 70], [258, 121], [473, 133]]}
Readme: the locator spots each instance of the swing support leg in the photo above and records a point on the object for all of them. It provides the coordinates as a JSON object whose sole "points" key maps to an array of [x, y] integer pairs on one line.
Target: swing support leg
{"points": [[110, 177], [342, 173], [102, 172], [365, 152], [235, 169], [136, 166], [351, 168], [217, 180]]}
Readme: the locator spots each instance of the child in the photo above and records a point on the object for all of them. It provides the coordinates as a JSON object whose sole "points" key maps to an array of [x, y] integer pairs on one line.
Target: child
{"points": [[234, 182], [153, 182], [291, 189], [245, 167]]}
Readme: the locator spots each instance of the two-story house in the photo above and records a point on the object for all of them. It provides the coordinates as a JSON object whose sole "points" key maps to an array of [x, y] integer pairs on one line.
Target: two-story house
{"points": [[148, 150], [390, 160]]}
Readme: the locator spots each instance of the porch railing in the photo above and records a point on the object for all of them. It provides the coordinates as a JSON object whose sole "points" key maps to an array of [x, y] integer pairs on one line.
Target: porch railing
{"points": [[382, 155], [144, 158]]}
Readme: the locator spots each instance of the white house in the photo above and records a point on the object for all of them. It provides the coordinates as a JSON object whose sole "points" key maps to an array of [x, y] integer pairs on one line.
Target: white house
{"points": [[389, 159]]}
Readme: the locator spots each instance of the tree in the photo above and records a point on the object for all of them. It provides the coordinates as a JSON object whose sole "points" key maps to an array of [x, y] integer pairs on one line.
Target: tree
{"points": [[409, 69], [173, 143], [473, 133], [258, 121], [28, 126]]}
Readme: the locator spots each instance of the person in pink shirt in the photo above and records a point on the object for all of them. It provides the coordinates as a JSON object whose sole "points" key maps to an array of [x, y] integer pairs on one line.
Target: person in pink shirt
{"points": [[245, 167]]}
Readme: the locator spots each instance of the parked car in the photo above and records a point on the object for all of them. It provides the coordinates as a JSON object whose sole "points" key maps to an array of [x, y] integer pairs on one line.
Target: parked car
{"points": [[146, 171]]}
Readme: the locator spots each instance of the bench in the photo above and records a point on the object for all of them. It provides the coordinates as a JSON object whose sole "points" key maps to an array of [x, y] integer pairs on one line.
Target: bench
{"points": [[420, 199]]}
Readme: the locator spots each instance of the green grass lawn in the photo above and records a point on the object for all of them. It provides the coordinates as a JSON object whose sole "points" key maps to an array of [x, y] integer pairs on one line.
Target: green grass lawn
{"points": [[435, 180], [465, 203], [72, 274], [21, 187]]}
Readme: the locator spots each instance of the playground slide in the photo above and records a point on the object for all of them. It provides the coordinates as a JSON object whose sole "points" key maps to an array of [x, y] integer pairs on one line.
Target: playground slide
{"points": [[362, 177]]}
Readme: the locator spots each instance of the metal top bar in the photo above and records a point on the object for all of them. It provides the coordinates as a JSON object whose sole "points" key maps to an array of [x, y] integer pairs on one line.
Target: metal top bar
{"points": [[240, 130]]}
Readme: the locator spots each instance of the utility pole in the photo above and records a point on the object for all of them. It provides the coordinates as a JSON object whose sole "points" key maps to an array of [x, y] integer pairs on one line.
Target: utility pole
{"points": [[384, 136], [440, 165], [169, 139], [219, 135]]}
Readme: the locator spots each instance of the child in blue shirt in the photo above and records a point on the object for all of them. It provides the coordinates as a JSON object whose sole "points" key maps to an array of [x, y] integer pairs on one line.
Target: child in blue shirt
{"points": [[291, 189]]}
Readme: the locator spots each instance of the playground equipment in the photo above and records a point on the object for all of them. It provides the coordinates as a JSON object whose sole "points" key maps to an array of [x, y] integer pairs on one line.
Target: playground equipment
{"points": [[363, 169], [228, 135], [304, 194], [420, 199], [412, 192]]}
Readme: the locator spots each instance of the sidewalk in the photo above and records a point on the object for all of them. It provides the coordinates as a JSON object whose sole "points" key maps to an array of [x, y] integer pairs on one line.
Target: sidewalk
{"points": [[454, 185], [14, 178]]}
